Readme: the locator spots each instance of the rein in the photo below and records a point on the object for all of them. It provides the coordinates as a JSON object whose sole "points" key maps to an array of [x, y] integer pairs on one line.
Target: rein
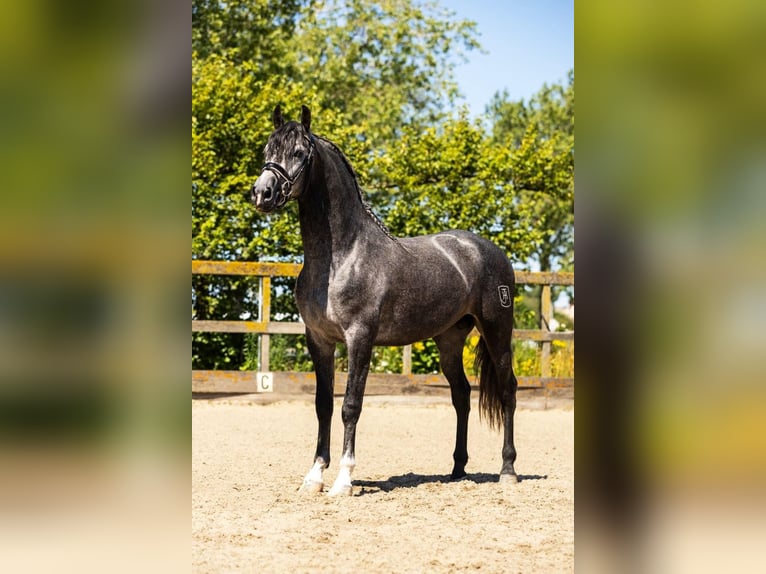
{"points": [[286, 189]]}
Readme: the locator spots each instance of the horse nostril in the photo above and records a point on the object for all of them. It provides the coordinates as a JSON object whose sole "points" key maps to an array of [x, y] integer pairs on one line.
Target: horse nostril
{"points": [[261, 193]]}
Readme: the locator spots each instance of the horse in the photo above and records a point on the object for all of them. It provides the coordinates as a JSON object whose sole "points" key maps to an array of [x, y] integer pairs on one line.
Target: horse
{"points": [[362, 286]]}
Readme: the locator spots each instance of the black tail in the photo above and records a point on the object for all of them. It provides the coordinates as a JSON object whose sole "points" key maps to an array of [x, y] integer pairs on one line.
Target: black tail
{"points": [[491, 404]]}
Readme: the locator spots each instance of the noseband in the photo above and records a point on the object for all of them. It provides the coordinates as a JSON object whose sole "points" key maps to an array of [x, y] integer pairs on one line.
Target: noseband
{"points": [[285, 191]]}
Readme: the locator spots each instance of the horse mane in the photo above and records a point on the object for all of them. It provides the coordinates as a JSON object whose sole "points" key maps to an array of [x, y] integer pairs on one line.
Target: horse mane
{"points": [[360, 193]]}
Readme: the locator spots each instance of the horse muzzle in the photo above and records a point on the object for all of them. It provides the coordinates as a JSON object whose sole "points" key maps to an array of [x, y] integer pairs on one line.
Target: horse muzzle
{"points": [[266, 193]]}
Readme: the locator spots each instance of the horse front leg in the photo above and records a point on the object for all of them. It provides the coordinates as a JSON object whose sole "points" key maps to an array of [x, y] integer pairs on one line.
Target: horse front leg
{"points": [[359, 356], [323, 354]]}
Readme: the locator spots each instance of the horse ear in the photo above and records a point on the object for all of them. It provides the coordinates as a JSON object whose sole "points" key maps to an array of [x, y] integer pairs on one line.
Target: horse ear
{"points": [[306, 118], [277, 118]]}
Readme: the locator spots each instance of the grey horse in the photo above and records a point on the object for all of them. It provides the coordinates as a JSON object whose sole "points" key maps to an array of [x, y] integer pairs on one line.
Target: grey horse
{"points": [[364, 287]]}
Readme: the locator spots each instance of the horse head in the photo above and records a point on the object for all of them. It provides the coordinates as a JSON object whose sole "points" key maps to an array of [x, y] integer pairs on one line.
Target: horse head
{"points": [[288, 156]]}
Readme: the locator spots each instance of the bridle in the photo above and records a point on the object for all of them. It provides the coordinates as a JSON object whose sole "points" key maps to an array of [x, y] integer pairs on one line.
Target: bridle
{"points": [[285, 191]]}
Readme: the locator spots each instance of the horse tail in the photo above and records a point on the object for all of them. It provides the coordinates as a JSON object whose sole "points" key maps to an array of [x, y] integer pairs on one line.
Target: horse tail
{"points": [[491, 403]]}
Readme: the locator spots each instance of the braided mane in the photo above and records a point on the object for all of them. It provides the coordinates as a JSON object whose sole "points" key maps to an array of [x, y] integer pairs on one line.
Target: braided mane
{"points": [[359, 191]]}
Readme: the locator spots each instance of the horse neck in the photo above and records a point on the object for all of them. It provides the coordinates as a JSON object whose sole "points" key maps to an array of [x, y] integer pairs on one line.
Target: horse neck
{"points": [[334, 221]]}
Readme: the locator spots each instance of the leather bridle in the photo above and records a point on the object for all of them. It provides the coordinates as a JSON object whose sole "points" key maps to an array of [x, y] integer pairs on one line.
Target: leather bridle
{"points": [[285, 190]]}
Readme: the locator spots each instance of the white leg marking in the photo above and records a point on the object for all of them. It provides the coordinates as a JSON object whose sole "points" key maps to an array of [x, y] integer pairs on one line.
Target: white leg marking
{"points": [[313, 481], [342, 485]]}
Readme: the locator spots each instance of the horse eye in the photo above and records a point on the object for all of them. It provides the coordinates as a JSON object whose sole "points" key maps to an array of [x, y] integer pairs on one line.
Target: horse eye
{"points": [[298, 154]]}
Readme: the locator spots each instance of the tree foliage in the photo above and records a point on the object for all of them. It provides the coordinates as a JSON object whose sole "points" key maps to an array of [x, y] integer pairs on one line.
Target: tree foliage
{"points": [[454, 177], [383, 63], [550, 111], [541, 134], [247, 31], [377, 75]]}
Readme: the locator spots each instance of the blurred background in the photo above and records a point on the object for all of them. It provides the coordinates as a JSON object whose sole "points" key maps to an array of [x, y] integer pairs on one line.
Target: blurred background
{"points": [[671, 198], [94, 414]]}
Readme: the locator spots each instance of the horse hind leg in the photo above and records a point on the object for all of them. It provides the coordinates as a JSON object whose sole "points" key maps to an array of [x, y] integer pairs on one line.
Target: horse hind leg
{"points": [[498, 385], [507, 472], [450, 345]]}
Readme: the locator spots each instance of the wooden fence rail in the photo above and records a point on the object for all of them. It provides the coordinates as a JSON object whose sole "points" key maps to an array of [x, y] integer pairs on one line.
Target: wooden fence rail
{"points": [[250, 381]]}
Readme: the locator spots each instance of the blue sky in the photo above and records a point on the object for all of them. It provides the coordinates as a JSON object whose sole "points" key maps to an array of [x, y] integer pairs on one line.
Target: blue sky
{"points": [[528, 43]]}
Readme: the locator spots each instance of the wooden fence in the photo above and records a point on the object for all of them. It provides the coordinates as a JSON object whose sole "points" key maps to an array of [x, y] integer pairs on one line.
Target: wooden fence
{"points": [[291, 382]]}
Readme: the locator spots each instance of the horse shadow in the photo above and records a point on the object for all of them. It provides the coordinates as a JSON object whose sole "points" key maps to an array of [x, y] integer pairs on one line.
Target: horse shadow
{"points": [[411, 480]]}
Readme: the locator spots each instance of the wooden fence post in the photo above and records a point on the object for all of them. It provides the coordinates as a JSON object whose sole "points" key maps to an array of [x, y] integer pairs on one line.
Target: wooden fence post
{"points": [[546, 314], [407, 360], [264, 315]]}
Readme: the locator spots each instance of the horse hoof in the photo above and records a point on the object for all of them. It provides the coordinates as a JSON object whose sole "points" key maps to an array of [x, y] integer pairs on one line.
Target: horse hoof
{"points": [[509, 478], [340, 490], [311, 487], [457, 475]]}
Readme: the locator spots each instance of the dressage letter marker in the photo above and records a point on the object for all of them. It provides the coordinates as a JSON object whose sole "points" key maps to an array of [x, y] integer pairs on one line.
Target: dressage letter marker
{"points": [[265, 382]]}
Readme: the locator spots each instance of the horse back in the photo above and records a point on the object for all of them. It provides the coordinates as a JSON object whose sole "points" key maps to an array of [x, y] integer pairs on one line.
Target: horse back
{"points": [[408, 290]]}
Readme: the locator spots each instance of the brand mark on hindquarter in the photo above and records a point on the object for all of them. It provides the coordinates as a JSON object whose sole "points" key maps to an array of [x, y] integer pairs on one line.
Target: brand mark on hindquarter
{"points": [[505, 295]]}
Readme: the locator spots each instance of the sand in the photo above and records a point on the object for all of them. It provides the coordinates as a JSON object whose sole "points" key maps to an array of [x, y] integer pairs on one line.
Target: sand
{"points": [[404, 516]]}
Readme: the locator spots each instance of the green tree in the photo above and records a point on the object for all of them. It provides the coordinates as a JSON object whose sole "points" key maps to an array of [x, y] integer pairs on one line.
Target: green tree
{"points": [[541, 134], [383, 64], [550, 111], [247, 31], [455, 177], [361, 83], [543, 179]]}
